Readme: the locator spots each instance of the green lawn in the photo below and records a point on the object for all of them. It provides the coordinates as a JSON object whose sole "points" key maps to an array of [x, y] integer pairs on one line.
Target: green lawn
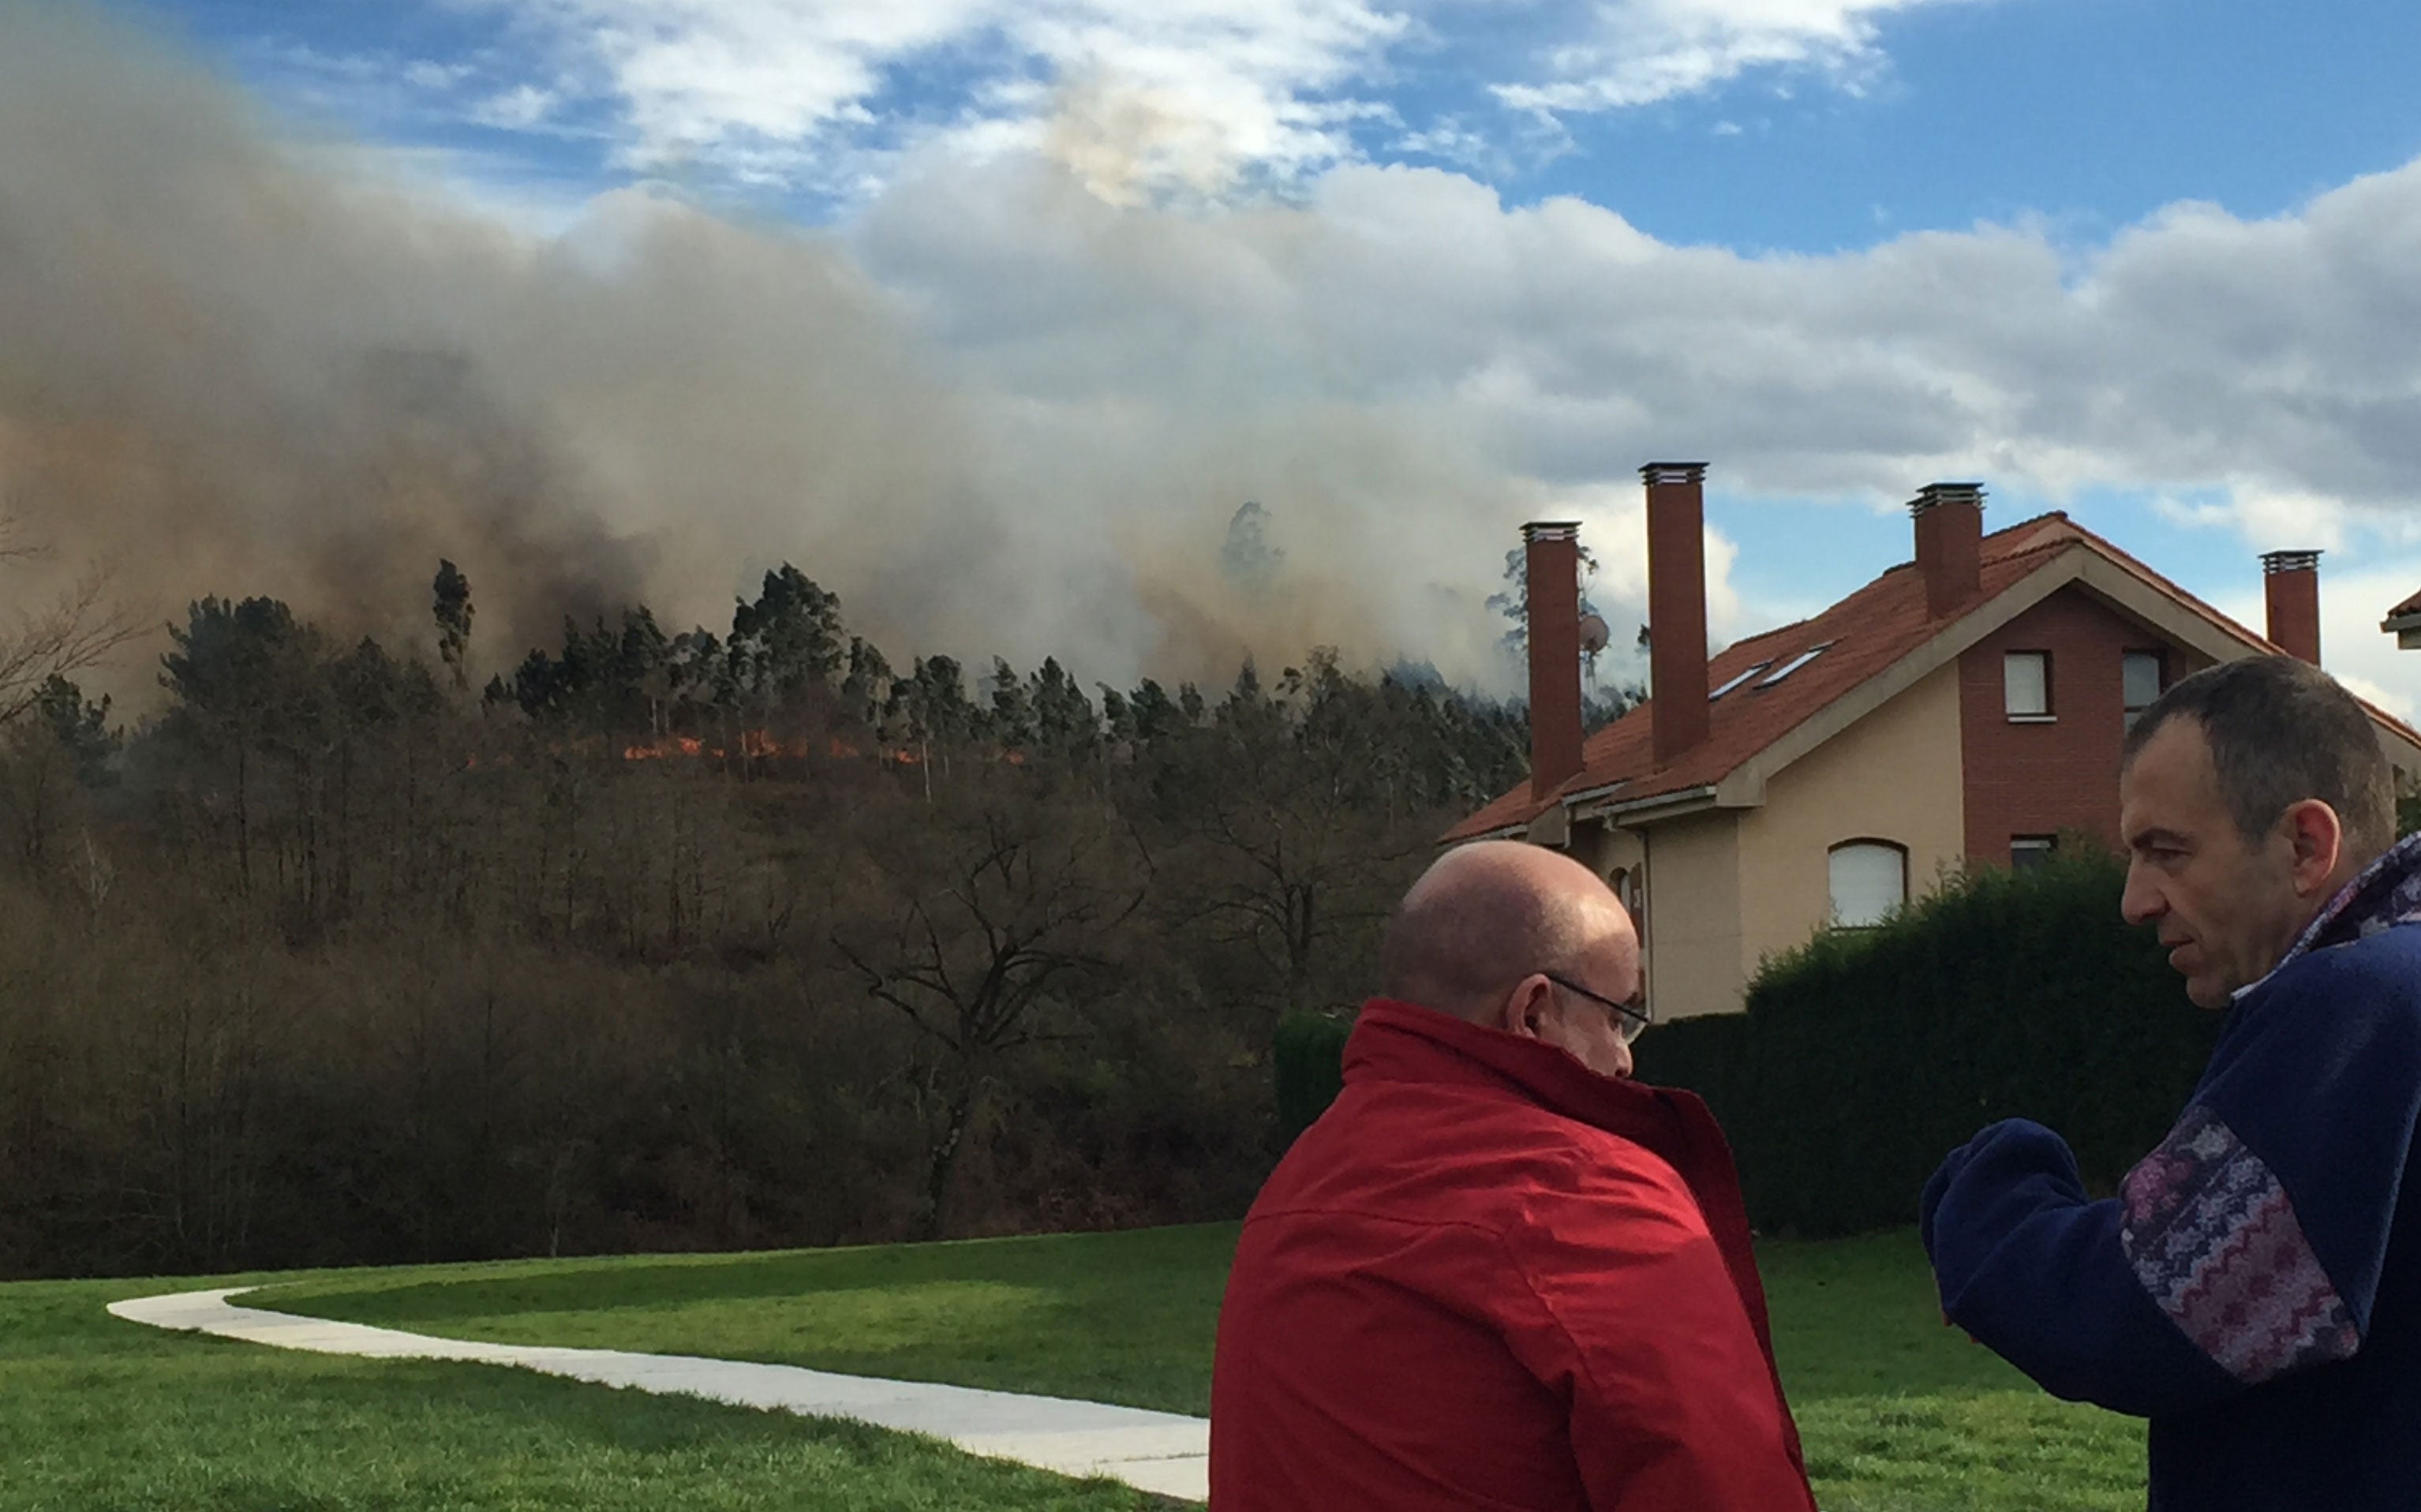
{"points": [[1900, 1414], [95, 1413], [1111, 1318]]}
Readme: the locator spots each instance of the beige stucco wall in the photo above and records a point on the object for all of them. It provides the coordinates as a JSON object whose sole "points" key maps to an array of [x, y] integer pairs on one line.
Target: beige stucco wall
{"points": [[1693, 914], [1605, 850], [1724, 888], [1893, 775]]}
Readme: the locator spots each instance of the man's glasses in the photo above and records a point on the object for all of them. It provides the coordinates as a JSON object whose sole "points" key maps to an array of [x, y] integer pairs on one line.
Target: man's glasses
{"points": [[1630, 1020]]}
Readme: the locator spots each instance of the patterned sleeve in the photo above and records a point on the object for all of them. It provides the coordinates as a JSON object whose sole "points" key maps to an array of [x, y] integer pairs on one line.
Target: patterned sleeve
{"points": [[2250, 1245], [2213, 1237], [2032, 1268]]}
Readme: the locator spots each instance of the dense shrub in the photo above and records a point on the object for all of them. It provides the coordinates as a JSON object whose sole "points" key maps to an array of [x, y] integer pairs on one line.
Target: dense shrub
{"points": [[1866, 1054], [1307, 1059], [1709, 1055]]}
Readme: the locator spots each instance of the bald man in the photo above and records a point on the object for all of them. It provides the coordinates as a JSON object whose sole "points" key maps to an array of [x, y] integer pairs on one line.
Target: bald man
{"points": [[1499, 1273]]}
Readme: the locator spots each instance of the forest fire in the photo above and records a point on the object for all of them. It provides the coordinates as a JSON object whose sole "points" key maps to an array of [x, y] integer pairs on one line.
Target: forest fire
{"points": [[763, 745]]}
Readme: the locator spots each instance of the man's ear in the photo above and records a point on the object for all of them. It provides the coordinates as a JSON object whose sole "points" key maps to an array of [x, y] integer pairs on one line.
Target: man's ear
{"points": [[1522, 1005], [2318, 840]]}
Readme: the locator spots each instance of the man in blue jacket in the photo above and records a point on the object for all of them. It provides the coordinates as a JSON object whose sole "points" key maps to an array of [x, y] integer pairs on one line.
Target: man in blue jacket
{"points": [[2255, 1287]]}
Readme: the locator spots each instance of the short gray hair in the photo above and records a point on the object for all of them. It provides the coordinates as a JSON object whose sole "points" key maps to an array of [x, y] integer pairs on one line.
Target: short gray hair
{"points": [[2282, 730]]}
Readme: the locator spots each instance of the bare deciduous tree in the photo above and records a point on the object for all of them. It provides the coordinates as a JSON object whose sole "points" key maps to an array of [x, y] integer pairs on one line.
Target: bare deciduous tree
{"points": [[1017, 916], [74, 631]]}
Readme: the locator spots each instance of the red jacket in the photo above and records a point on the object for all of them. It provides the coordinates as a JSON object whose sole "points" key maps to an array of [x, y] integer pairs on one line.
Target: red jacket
{"points": [[1489, 1277]]}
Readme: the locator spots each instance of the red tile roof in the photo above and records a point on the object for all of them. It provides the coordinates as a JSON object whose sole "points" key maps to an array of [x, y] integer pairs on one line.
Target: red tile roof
{"points": [[2410, 606], [1864, 635]]}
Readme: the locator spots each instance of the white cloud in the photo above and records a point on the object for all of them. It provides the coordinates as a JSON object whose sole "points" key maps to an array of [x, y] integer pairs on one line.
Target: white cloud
{"points": [[1195, 92], [1525, 352], [1196, 96], [2269, 517], [518, 109], [427, 74], [1640, 51], [1450, 139]]}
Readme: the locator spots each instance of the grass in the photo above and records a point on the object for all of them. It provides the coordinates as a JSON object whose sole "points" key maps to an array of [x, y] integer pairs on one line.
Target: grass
{"points": [[1899, 1413], [99, 1413], [1113, 1318]]}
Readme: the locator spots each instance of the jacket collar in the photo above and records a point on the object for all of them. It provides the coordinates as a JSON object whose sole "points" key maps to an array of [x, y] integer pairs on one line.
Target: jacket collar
{"points": [[2386, 894], [1398, 1041]]}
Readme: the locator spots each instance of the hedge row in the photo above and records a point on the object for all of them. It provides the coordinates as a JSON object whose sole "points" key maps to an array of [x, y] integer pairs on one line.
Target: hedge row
{"points": [[1307, 1057], [1865, 1055]]}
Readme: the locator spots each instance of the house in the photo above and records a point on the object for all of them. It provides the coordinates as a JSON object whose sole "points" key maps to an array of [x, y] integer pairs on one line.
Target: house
{"points": [[1966, 708], [2404, 623]]}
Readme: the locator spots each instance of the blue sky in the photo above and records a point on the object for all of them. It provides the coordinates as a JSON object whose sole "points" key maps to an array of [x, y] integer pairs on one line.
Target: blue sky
{"points": [[2107, 255], [2090, 114]]}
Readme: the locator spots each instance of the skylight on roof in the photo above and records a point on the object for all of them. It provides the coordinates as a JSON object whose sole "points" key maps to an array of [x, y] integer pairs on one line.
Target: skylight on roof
{"points": [[1795, 663], [1738, 680]]}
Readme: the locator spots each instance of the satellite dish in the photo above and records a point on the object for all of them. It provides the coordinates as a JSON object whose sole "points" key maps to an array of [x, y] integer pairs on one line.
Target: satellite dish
{"points": [[1594, 635]]}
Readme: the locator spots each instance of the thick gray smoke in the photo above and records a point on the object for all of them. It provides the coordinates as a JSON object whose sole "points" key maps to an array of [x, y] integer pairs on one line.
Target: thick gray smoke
{"points": [[232, 362], [1006, 405]]}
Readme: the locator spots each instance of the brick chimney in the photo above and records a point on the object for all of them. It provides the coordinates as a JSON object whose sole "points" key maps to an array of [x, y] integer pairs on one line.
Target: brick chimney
{"points": [[1949, 544], [2292, 580], [1677, 605], [1552, 579]]}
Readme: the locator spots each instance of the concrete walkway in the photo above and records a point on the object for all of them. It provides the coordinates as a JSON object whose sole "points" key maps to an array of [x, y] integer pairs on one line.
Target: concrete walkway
{"points": [[1159, 1452]]}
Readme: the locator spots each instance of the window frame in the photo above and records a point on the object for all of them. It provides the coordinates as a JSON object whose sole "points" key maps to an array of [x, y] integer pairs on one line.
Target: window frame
{"points": [[2049, 713], [2042, 848], [1736, 680], [2159, 657], [1793, 664], [1832, 899]]}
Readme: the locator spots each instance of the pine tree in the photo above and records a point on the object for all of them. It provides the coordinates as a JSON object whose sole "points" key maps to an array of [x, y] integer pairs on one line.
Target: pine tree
{"points": [[453, 612]]}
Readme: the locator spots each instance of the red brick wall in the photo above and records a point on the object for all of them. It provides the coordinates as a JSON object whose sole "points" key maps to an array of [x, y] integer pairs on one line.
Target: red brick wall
{"points": [[2043, 778]]}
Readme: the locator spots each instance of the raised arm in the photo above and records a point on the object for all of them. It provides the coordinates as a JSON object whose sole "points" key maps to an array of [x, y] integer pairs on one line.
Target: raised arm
{"points": [[2247, 1246]]}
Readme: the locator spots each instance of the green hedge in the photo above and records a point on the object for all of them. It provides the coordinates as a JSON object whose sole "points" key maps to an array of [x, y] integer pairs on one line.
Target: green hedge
{"points": [[1865, 1055], [1307, 1057]]}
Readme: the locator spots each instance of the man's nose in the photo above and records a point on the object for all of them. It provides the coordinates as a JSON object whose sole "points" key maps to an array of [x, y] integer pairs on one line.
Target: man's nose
{"points": [[2141, 902]]}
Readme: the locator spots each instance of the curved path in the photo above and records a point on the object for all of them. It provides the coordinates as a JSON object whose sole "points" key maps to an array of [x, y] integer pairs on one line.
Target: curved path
{"points": [[1162, 1452]]}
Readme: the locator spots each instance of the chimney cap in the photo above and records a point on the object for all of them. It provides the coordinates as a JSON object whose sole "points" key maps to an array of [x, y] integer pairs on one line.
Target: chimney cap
{"points": [[1934, 496], [1551, 530], [2273, 563], [1655, 473]]}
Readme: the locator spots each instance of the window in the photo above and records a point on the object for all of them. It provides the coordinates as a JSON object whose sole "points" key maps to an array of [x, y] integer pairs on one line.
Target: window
{"points": [[1795, 663], [2025, 684], [1738, 680], [2027, 851], [1625, 883], [2139, 679], [1869, 882]]}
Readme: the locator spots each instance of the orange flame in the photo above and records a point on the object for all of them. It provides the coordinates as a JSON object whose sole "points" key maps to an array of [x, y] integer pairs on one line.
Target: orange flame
{"points": [[763, 745]]}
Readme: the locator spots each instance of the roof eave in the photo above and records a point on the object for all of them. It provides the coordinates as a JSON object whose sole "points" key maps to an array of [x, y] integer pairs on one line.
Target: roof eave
{"points": [[1652, 807], [1518, 829]]}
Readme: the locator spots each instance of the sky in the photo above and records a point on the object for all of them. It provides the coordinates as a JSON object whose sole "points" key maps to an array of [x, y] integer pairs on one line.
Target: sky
{"points": [[993, 311]]}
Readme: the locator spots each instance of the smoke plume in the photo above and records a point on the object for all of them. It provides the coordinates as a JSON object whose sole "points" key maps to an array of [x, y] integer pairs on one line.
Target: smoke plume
{"points": [[236, 360]]}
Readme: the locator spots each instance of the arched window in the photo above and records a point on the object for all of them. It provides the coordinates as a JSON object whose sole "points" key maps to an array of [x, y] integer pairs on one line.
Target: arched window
{"points": [[1870, 881], [1625, 883]]}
